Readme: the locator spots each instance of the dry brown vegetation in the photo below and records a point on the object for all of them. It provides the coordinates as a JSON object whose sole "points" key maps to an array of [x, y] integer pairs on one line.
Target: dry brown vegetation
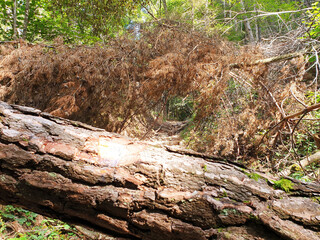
{"points": [[117, 86]]}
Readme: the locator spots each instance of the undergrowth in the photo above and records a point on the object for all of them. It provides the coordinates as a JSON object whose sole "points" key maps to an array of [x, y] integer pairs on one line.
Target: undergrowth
{"points": [[17, 223]]}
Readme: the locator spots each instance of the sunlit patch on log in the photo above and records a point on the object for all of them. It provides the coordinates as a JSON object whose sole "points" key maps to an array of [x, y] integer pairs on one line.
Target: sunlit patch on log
{"points": [[115, 152]]}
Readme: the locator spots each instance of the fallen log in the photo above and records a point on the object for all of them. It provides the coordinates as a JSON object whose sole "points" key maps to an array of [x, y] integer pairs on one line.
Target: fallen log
{"points": [[301, 164], [87, 176]]}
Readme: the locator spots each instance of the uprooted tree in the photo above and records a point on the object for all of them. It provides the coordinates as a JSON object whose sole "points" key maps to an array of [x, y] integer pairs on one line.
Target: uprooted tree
{"points": [[85, 175]]}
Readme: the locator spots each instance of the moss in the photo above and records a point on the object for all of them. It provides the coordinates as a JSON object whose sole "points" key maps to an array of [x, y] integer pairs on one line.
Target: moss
{"points": [[253, 217], [295, 168], [224, 194], [316, 199], [253, 176], [283, 184], [228, 211], [52, 174]]}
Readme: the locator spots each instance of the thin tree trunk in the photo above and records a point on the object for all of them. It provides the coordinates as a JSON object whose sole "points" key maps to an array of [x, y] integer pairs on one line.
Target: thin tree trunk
{"points": [[164, 3], [258, 29], [248, 30], [84, 175], [14, 16], [26, 19]]}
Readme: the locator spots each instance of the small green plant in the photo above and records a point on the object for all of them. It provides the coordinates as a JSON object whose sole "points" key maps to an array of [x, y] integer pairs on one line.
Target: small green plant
{"points": [[2, 225], [32, 228], [313, 24], [253, 217], [205, 168], [283, 184], [316, 199]]}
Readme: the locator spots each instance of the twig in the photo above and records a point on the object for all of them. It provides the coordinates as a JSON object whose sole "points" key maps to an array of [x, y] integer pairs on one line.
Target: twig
{"points": [[306, 110], [193, 50], [292, 132], [298, 100], [273, 99]]}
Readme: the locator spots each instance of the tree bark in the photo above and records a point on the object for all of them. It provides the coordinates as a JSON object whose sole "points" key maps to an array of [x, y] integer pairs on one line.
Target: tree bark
{"points": [[165, 8], [258, 28], [84, 175], [26, 19], [247, 27], [14, 22]]}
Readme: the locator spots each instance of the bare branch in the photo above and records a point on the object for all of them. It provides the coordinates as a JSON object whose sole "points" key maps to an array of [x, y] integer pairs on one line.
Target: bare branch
{"points": [[274, 59]]}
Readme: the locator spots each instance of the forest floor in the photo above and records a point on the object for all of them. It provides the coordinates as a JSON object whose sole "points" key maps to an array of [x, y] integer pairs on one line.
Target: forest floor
{"points": [[167, 133]]}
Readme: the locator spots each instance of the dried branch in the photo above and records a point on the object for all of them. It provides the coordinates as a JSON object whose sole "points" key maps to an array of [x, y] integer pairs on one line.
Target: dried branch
{"points": [[286, 118], [296, 98], [274, 59]]}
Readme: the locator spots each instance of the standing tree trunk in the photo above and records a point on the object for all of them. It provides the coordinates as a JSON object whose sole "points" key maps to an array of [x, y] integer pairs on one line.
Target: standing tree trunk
{"points": [[164, 3], [84, 175], [14, 22], [26, 19], [247, 27], [258, 28]]}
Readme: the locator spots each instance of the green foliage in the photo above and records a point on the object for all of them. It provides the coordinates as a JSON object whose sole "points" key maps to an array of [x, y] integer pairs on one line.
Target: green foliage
{"points": [[311, 96], [283, 184], [233, 14], [180, 108], [316, 199], [304, 143], [205, 168], [2, 226], [91, 21], [224, 194], [77, 21], [99, 17], [199, 14], [34, 229], [313, 22]]}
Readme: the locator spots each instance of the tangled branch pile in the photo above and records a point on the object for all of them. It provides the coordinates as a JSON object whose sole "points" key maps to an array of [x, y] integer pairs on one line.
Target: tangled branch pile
{"points": [[116, 85]]}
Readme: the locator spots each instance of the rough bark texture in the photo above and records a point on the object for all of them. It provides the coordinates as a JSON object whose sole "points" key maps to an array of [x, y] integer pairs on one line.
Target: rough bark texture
{"points": [[84, 175], [26, 19]]}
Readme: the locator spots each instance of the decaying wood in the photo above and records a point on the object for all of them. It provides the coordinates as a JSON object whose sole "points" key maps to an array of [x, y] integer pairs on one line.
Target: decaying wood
{"points": [[302, 164], [108, 182]]}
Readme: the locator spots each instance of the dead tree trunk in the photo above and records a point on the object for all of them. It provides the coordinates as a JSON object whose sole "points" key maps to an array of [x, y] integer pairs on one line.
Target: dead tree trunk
{"points": [[84, 175]]}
